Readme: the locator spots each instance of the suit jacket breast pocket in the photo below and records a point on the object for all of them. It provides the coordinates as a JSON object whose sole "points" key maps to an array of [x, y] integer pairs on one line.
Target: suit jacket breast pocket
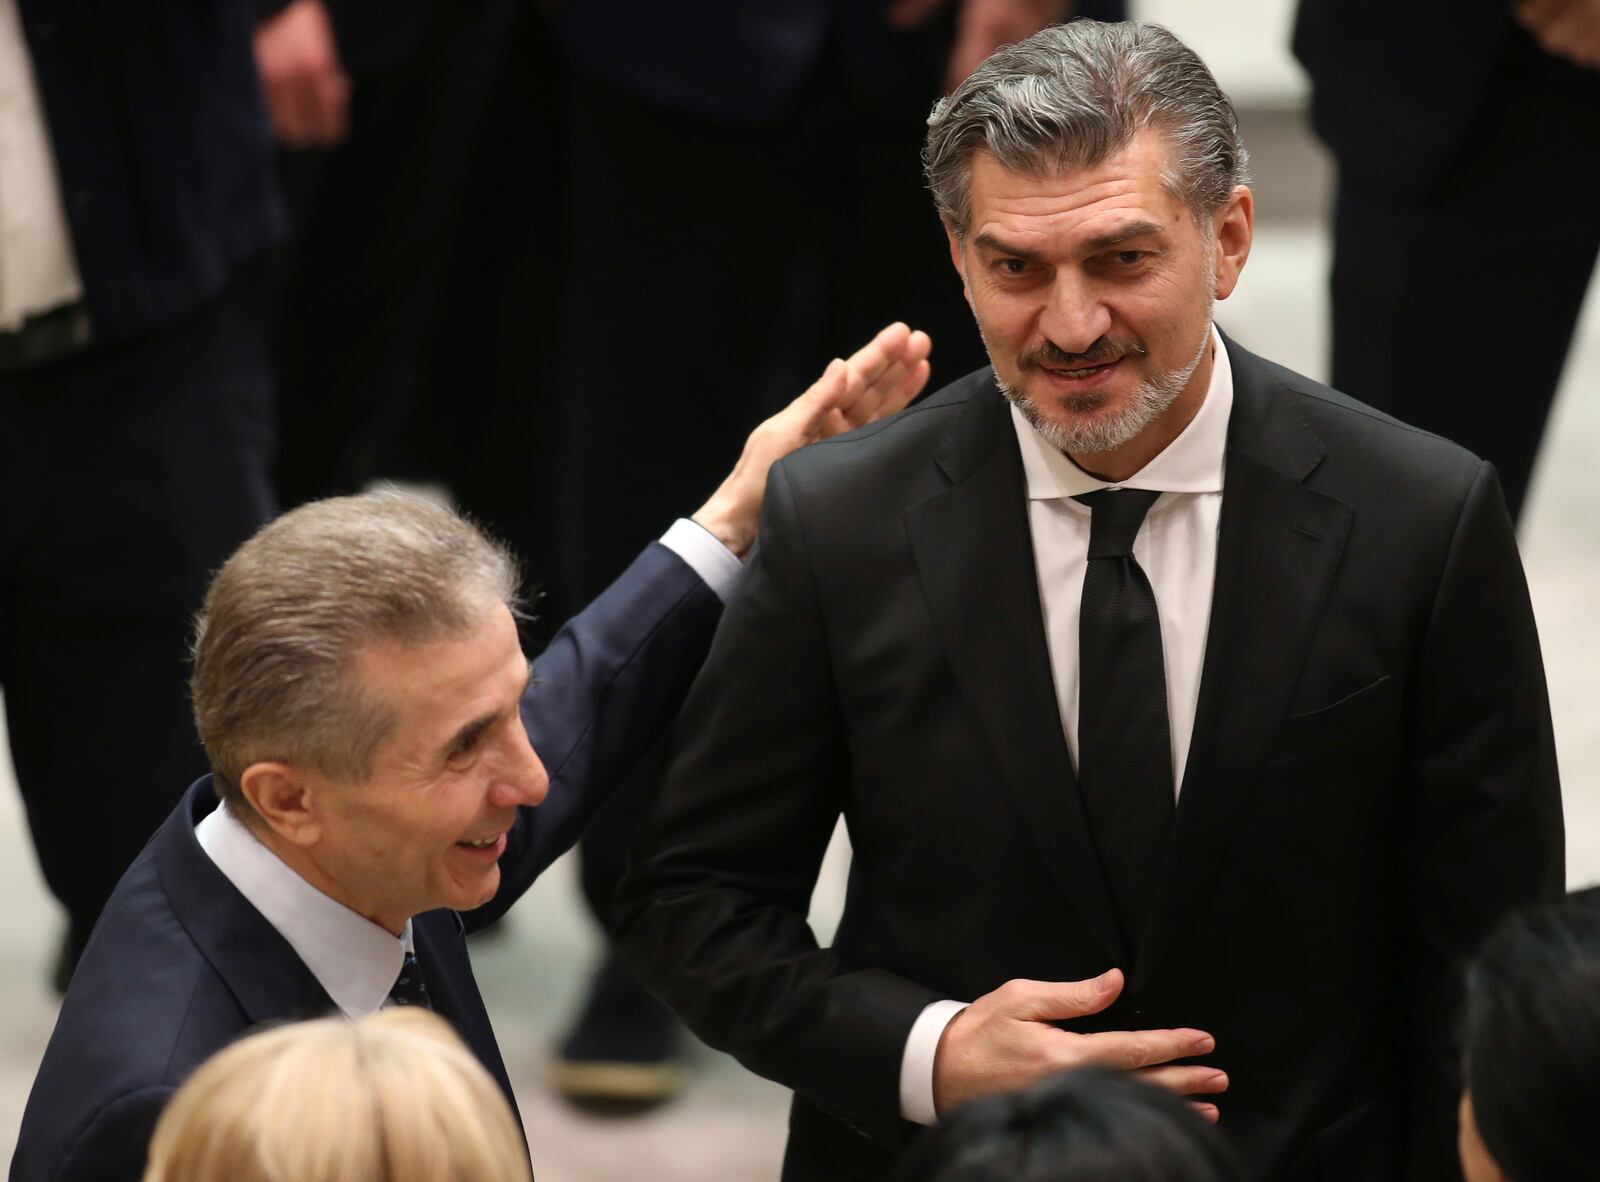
{"points": [[1355, 718]]}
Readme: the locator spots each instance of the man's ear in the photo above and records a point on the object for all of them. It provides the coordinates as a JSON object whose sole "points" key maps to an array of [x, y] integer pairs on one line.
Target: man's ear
{"points": [[1232, 227], [284, 801], [958, 259]]}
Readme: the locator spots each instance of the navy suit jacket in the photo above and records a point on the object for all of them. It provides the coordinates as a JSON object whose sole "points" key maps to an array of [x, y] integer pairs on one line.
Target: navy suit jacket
{"points": [[161, 140], [181, 964]]}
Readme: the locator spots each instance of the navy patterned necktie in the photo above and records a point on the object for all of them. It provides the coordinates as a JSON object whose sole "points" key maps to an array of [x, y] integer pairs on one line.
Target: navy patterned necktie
{"points": [[409, 988], [1124, 742]]}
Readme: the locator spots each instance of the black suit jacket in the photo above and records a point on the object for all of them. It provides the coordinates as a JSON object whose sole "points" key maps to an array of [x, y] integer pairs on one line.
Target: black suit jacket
{"points": [[1371, 783], [181, 964]]}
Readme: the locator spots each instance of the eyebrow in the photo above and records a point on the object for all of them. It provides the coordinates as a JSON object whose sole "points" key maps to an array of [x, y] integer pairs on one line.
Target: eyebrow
{"points": [[471, 730], [1124, 234], [1115, 238]]}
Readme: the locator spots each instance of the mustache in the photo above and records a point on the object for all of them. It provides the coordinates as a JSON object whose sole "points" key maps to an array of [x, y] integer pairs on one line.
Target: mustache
{"points": [[1102, 352]]}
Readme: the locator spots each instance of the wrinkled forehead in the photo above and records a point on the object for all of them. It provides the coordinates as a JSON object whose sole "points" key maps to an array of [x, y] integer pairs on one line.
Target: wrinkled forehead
{"points": [[1145, 163]]}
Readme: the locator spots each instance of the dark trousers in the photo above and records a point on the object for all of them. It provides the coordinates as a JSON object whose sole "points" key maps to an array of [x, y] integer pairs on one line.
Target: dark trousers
{"points": [[127, 475], [361, 283], [1454, 309]]}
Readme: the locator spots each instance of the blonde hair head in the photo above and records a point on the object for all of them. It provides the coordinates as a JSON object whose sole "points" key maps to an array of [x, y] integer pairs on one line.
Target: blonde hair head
{"points": [[395, 1097]]}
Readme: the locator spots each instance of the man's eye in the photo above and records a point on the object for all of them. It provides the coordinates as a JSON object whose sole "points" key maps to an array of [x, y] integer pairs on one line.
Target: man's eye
{"points": [[1128, 258], [1014, 266]]}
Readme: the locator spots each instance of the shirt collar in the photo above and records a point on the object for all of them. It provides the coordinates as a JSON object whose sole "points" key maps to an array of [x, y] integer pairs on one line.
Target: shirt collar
{"points": [[1192, 463], [352, 958]]}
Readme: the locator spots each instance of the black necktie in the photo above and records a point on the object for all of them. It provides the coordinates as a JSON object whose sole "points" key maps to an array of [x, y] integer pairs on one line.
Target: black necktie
{"points": [[1124, 746], [409, 987]]}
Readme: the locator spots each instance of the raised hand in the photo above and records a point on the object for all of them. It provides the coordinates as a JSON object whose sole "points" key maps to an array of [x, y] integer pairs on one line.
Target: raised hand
{"points": [[876, 380]]}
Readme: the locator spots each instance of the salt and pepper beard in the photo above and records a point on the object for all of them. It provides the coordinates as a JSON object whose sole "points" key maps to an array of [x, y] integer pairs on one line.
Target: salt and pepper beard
{"points": [[1105, 433]]}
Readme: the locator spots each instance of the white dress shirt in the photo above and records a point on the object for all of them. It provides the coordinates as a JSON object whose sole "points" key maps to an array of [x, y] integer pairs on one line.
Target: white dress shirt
{"points": [[1177, 549], [38, 270], [353, 959]]}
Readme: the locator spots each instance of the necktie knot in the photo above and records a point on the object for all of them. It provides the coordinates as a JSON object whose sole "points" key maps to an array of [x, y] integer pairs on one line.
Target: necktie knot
{"points": [[1116, 515], [409, 987]]}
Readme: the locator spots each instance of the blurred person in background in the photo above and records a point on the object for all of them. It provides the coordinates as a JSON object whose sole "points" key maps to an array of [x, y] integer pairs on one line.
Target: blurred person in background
{"points": [[1467, 139], [1530, 1042], [746, 174], [392, 1097], [378, 742], [137, 196], [1088, 1125]]}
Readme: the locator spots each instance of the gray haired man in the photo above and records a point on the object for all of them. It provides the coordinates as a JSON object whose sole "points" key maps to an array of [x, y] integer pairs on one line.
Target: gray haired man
{"points": [[1187, 716]]}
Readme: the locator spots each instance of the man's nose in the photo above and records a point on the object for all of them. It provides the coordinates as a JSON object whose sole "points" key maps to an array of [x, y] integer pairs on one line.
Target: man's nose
{"points": [[1074, 316], [523, 779]]}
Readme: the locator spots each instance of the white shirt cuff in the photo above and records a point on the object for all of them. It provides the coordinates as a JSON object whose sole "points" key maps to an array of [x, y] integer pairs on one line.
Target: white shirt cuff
{"points": [[709, 558], [916, 1065]]}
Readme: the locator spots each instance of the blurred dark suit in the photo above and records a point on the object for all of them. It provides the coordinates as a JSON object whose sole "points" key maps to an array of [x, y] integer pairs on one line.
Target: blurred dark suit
{"points": [[1465, 231], [135, 460]]}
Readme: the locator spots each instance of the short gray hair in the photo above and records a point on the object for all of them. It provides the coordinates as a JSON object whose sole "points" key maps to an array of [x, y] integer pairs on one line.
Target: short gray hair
{"points": [[1072, 95], [287, 615]]}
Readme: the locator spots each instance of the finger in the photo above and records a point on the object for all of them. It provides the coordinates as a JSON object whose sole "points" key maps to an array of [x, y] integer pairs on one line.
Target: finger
{"points": [[881, 351], [1130, 1049], [1208, 1112], [1043, 1001], [1186, 1079], [915, 381]]}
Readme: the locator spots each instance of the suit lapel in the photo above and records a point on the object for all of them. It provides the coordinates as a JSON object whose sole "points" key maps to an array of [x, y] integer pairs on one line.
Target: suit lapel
{"points": [[264, 973], [974, 556], [1279, 547], [453, 991]]}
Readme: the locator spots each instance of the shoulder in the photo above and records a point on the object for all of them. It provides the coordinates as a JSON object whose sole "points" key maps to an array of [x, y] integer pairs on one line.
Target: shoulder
{"points": [[145, 1008], [1365, 451]]}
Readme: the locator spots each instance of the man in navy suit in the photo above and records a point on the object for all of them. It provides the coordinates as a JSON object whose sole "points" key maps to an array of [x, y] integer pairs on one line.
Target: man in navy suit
{"points": [[380, 743]]}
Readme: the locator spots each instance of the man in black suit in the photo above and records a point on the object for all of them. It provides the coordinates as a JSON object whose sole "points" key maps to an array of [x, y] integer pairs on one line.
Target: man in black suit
{"points": [[372, 724], [1186, 715], [1446, 119]]}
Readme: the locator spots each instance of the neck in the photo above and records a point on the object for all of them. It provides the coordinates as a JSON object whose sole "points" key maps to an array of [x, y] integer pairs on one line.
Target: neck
{"points": [[303, 861], [1124, 462]]}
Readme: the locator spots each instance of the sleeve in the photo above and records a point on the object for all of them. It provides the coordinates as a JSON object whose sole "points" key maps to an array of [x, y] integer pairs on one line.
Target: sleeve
{"points": [[603, 693], [713, 913], [114, 1144], [1483, 825]]}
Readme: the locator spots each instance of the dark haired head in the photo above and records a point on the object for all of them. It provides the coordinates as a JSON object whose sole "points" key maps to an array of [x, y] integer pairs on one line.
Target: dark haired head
{"points": [[1082, 1126], [1531, 1041]]}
